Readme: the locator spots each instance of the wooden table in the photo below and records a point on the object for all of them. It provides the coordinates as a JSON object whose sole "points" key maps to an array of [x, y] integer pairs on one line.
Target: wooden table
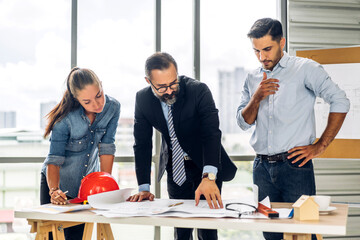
{"points": [[332, 224]]}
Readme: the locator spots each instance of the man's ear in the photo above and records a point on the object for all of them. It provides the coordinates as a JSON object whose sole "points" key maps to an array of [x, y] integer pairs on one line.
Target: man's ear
{"points": [[282, 43], [147, 80]]}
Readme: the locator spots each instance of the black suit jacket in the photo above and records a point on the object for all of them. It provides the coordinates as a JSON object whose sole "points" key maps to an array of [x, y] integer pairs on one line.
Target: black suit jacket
{"points": [[196, 125]]}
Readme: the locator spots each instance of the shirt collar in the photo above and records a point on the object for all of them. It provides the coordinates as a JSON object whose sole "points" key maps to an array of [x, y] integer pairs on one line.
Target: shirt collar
{"points": [[282, 63], [284, 60]]}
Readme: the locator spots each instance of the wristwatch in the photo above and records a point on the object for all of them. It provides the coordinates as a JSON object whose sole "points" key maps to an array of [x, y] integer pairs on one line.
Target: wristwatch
{"points": [[210, 176]]}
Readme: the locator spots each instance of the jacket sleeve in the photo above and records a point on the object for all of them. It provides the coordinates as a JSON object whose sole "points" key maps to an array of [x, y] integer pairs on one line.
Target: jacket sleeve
{"points": [[209, 127], [143, 143]]}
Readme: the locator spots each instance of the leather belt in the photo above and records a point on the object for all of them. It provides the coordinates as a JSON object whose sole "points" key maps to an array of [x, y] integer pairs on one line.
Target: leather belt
{"points": [[274, 158]]}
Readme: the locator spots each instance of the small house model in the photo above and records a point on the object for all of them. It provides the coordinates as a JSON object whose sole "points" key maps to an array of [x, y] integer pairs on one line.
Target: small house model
{"points": [[305, 208]]}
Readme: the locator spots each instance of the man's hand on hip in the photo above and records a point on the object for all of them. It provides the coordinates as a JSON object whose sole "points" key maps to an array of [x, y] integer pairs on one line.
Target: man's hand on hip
{"points": [[144, 195], [211, 192], [307, 152]]}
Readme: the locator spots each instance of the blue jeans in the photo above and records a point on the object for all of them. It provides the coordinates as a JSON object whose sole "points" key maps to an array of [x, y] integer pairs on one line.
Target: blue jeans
{"points": [[283, 181]]}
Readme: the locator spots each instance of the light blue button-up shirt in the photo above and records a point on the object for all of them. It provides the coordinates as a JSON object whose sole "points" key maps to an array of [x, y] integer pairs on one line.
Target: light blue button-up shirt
{"points": [[286, 119], [206, 169]]}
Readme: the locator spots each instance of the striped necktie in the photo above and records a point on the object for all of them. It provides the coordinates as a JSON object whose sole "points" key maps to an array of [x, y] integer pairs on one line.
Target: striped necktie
{"points": [[178, 167]]}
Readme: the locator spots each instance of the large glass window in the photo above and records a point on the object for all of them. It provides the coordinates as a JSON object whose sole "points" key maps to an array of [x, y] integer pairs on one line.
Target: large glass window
{"points": [[227, 56], [114, 40], [177, 33], [34, 61]]}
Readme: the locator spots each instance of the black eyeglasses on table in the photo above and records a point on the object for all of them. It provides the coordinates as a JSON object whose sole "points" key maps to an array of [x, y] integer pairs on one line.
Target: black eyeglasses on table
{"points": [[245, 209]]}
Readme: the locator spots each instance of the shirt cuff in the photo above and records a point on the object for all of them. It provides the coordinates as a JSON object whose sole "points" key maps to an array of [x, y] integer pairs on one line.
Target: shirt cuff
{"points": [[54, 160], [107, 149], [341, 107], [144, 187], [210, 169], [241, 122]]}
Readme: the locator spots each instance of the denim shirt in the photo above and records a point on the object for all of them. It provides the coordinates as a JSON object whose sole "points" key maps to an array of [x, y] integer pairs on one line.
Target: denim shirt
{"points": [[286, 119], [75, 144]]}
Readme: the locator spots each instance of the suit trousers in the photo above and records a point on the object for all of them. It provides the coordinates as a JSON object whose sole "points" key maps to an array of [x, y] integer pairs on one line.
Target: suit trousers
{"points": [[71, 233], [187, 191]]}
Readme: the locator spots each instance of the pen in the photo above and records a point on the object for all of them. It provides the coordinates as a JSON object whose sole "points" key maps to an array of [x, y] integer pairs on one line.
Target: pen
{"points": [[175, 204], [60, 195]]}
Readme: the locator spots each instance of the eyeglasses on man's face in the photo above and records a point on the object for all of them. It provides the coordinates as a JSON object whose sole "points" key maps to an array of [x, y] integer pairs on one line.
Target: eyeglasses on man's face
{"points": [[163, 89]]}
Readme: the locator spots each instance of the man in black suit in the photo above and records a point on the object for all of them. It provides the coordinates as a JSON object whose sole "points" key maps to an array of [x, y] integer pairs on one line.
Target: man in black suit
{"points": [[183, 110]]}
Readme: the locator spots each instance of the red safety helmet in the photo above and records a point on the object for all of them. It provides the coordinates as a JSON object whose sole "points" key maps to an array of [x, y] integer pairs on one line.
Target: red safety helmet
{"points": [[93, 183]]}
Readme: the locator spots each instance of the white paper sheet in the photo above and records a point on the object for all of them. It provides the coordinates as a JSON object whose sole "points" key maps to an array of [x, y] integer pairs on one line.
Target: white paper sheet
{"points": [[109, 200], [113, 204], [163, 207], [160, 208], [55, 209]]}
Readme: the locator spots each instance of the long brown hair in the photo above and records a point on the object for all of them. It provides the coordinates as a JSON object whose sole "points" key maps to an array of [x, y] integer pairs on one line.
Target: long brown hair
{"points": [[77, 80]]}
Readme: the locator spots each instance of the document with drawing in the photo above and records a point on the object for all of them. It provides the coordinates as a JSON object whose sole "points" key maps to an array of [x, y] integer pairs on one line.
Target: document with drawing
{"points": [[244, 207]]}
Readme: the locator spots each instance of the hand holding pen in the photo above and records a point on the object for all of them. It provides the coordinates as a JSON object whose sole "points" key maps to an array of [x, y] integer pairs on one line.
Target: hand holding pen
{"points": [[59, 197]]}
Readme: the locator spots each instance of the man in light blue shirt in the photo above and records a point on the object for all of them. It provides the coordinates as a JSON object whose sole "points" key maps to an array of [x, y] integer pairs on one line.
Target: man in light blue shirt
{"points": [[278, 99]]}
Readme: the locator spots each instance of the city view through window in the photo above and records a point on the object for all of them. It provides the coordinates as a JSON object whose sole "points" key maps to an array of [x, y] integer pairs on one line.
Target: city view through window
{"points": [[114, 40]]}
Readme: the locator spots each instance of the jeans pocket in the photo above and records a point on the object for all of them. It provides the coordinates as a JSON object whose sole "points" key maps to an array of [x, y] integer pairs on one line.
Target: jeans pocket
{"points": [[256, 163], [307, 167], [298, 180]]}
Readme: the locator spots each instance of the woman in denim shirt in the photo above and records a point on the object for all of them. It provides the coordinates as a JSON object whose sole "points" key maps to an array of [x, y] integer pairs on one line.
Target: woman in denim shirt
{"points": [[83, 127]]}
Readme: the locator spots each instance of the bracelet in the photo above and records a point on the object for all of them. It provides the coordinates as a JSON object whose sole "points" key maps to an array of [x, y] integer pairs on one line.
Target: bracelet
{"points": [[52, 190]]}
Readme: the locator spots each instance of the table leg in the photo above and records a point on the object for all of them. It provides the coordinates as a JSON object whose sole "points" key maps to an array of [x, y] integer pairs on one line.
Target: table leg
{"points": [[33, 229], [104, 232], [41, 236], [33, 225], [297, 236], [57, 231], [43, 228], [88, 229]]}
